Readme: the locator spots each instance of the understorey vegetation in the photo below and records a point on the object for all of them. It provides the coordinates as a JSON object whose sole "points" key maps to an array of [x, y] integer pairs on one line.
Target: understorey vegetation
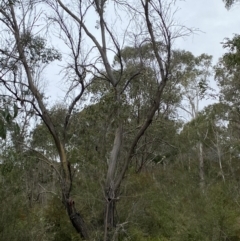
{"points": [[124, 152]]}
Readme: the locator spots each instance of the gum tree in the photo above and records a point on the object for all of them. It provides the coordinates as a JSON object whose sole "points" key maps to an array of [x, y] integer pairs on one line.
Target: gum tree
{"points": [[25, 54]]}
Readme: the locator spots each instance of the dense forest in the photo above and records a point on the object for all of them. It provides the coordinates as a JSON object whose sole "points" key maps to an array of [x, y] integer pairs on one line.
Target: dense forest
{"points": [[127, 154]]}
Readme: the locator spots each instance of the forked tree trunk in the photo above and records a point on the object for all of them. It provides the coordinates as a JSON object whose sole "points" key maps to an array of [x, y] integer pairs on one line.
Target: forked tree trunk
{"points": [[110, 190]]}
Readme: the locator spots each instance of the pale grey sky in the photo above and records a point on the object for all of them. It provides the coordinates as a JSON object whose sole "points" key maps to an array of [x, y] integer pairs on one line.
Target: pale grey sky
{"points": [[215, 22], [209, 16]]}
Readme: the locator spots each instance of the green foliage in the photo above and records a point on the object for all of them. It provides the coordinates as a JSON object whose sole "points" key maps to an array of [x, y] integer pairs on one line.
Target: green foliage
{"points": [[7, 120], [37, 51], [227, 75], [205, 125], [232, 58], [57, 223], [167, 205], [15, 212], [160, 200], [192, 73]]}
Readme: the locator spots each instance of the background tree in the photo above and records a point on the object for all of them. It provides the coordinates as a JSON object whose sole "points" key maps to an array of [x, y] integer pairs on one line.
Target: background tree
{"points": [[193, 74]]}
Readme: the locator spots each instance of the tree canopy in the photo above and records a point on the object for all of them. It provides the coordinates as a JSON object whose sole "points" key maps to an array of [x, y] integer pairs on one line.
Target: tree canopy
{"points": [[128, 153]]}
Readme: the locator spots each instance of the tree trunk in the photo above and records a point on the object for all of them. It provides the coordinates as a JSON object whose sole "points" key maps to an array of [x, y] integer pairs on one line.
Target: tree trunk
{"points": [[110, 190], [201, 167], [219, 153], [76, 219], [110, 213]]}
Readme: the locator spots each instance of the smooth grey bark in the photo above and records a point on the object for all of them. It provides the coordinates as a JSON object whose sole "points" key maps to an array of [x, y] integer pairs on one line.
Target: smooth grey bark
{"points": [[113, 177]]}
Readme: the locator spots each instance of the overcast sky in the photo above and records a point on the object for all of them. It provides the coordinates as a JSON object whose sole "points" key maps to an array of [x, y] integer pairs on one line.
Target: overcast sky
{"points": [[209, 16], [215, 22]]}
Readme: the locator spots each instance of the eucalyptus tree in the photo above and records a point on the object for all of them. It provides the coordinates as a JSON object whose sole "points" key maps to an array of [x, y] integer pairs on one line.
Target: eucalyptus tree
{"points": [[213, 134], [93, 120], [26, 53], [227, 77], [193, 75], [137, 100]]}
